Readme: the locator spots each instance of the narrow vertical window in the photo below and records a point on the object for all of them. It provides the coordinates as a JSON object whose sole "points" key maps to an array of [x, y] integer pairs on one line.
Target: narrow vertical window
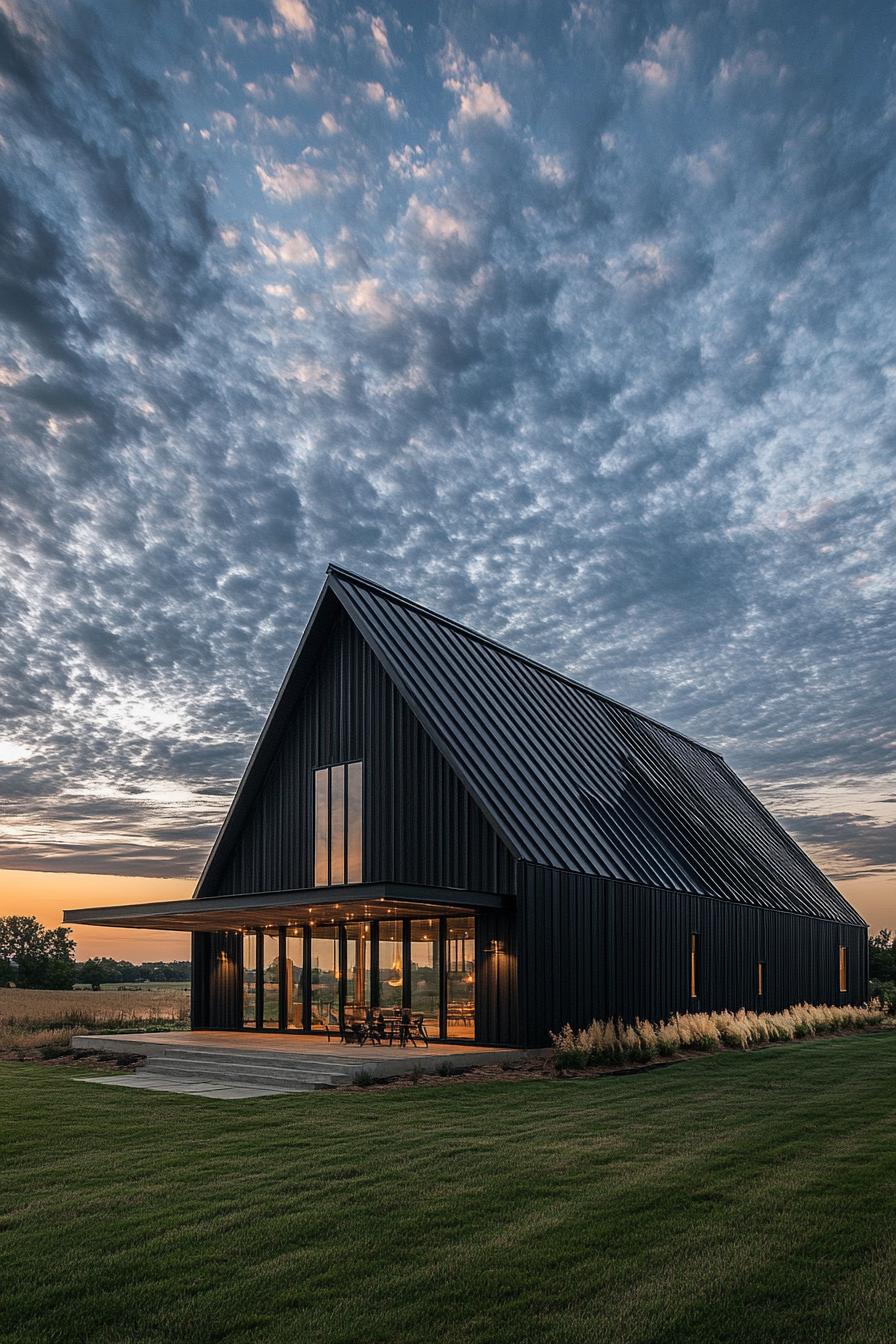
{"points": [[321, 828], [355, 813], [338, 812], [695, 966], [250, 977], [842, 969], [337, 825], [760, 979]]}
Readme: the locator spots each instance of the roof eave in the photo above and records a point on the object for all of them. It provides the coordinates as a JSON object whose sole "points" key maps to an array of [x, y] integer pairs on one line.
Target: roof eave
{"points": [[251, 908]]}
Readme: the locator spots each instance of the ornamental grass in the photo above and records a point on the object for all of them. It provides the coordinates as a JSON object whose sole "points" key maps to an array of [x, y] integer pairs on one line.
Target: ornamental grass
{"points": [[617, 1042]]}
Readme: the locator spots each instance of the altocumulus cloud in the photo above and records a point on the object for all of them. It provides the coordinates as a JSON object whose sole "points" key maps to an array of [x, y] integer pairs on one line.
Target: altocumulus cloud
{"points": [[573, 321]]}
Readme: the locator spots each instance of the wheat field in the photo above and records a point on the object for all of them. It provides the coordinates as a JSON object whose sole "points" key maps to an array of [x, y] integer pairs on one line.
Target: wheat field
{"points": [[32, 1019]]}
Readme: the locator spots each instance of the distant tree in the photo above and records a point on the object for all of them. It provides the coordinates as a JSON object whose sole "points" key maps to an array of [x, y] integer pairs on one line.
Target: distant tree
{"points": [[163, 970], [882, 955], [34, 957], [91, 972], [107, 971]]}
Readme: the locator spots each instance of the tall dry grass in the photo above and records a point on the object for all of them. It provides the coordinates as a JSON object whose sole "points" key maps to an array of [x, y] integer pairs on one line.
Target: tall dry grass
{"points": [[616, 1042], [46, 1019]]}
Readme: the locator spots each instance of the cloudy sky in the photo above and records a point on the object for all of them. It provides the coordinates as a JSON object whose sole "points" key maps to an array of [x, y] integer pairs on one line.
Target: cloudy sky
{"points": [[575, 322]]}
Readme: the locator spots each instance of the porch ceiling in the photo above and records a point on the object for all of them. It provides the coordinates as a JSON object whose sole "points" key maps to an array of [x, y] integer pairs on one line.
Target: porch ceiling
{"points": [[319, 905]]}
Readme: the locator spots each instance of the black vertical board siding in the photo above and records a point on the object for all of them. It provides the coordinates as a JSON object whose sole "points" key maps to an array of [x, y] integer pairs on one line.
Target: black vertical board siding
{"points": [[216, 981], [420, 824], [497, 990], [592, 947]]}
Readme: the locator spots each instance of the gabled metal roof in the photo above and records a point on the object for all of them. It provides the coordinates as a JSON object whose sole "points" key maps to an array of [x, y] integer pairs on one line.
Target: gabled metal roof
{"points": [[567, 777], [572, 779]]}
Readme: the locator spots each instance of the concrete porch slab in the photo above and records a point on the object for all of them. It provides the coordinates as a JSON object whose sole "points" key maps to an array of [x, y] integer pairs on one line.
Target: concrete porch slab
{"points": [[277, 1049]]}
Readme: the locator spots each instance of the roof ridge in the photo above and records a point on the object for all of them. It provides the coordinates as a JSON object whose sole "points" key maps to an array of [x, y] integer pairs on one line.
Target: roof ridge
{"points": [[341, 572]]}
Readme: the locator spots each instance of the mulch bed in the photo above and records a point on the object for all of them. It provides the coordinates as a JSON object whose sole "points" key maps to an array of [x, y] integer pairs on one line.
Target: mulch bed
{"points": [[530, 1070]]}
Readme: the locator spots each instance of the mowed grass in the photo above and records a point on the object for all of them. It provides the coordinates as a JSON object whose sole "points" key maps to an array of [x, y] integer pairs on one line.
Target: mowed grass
{"points": [[730, 1198]]}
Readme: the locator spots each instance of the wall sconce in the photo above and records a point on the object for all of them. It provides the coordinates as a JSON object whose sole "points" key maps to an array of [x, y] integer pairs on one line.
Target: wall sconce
{"points": [[493, 946]]}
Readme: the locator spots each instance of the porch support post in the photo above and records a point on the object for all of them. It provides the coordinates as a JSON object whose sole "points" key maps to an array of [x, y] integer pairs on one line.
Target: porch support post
{"points": [[306, 979], [405, 963]]}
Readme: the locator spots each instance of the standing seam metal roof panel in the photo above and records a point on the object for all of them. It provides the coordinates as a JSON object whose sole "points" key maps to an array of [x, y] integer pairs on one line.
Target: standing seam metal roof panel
{"points": [[575, 780]]}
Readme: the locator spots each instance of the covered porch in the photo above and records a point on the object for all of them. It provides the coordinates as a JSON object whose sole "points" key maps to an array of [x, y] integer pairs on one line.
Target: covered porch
{"points": [[418, 962]]}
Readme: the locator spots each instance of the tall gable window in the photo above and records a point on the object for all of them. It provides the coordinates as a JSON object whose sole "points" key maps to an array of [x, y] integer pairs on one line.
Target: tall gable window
{"points": [[841, 969], [338, 802]]}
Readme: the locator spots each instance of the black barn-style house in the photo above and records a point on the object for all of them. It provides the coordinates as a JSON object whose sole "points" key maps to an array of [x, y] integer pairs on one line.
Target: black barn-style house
{"points": [[432, 821]]}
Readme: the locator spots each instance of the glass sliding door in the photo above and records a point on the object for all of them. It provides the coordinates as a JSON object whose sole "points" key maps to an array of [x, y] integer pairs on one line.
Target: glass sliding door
{"points": [[425, 972], [460, 978], [250, 978], [337, 972], [357, 971], [294, 975], [270, 985], [391, 963], [325, 978]]}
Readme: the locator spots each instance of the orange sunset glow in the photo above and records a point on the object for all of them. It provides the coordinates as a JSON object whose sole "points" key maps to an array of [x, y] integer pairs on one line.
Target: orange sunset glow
{"points": [[46, 895]]}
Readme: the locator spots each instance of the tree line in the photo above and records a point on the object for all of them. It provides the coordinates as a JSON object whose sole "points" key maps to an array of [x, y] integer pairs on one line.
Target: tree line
{"points": [[34, 957]]}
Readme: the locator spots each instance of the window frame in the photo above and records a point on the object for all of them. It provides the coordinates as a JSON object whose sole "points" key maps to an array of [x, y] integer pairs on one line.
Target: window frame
{"points": [[335, 864], [842, 969]]}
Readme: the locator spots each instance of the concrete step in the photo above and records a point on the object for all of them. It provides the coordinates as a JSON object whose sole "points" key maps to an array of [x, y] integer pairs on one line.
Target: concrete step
{"points": [[206, 1059], [279, 1058], [244, 1067], [285, 1078]]}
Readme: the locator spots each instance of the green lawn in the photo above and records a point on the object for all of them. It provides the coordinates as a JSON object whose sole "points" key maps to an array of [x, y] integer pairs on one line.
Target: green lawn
{"points": [[732, 1198]]}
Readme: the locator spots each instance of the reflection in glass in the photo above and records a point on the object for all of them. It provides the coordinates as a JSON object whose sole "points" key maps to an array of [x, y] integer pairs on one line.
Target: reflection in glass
{"points": [[355, 808], [324, 978], [460, 959], [337, 825], [271, 981], [321, 828], [357, 971], [293, 971], [250, 956], [424, 972], [391, 979]]}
